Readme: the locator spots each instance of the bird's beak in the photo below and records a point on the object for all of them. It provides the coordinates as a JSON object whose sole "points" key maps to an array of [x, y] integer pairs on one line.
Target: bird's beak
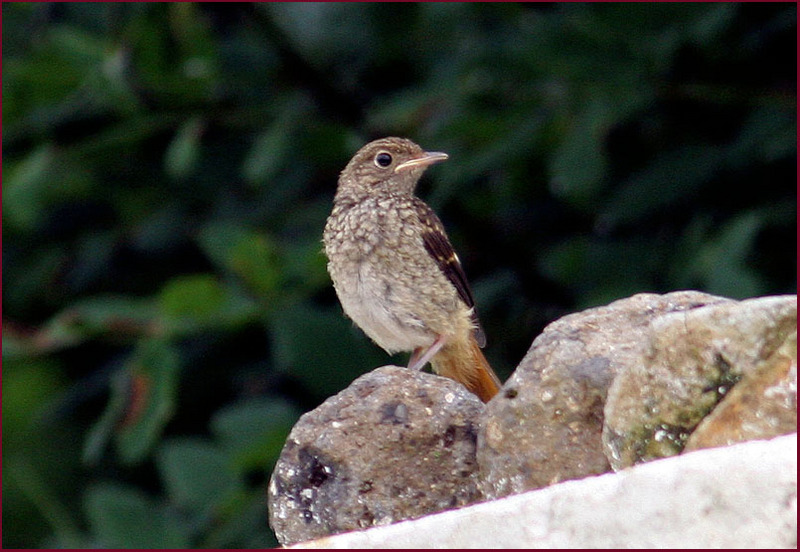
{"points": [[427, 158]]}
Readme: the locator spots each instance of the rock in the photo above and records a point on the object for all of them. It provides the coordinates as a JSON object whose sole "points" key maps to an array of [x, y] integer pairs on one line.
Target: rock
{"points": [[545, 426], [692, 360], [762, 405], [742, 496], [396, 444]]}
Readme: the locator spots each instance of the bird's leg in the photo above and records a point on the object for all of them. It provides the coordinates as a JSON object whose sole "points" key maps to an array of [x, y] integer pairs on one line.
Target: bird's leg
{"points": [[420, 357]]}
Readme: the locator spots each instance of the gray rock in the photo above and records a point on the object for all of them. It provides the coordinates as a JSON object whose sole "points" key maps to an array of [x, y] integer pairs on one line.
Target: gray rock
{"points": [[762, 405], [396, 444], [545, 426], [692, 360]]}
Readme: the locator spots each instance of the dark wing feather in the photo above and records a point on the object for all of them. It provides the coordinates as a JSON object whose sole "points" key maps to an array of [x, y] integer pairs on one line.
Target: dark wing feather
{"points": [[438, 245]]}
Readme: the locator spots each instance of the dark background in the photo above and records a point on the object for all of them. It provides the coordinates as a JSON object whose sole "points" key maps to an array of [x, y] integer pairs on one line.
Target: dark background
{"points": [[168, 169]]}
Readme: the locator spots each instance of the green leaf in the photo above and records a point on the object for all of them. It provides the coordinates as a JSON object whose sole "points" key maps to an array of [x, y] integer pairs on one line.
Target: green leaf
{"points": [[305, 269], [194, 296], [196, 40], [23, 188], [197, 302], [122, 517], [321, 348], [111, 316], [33, 185], [218, 238], [251, 256], [657, 187], [155, 367], [25, 278], [768, 134], [724, 260], [141, 403], [22, 476], [27, 386], [601, 270], [254, 432], [267, 155], [197, 474], [245, 528], [102, 431], [77, 47], [579, 164], [257, 260], [183, 153]]}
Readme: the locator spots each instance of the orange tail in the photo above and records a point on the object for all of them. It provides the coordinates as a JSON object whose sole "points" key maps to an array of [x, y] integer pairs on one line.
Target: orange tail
{"points": [[465, 363]]}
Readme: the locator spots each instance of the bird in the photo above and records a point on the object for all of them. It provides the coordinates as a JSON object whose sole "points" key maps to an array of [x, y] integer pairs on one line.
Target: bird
{"points": [[394, 269]]}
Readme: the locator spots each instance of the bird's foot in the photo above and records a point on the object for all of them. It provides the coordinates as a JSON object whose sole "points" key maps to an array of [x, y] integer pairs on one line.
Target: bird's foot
{"points": [[420, 357]]}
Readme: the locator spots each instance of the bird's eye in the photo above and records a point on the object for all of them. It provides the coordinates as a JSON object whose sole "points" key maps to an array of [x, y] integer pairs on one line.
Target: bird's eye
{"points": [[383, 159]]}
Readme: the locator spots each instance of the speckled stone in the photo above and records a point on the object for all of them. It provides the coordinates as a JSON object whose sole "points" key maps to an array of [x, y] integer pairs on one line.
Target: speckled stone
{"points": [[761, 406], [545, 426], [693, 360], [396, 444]]}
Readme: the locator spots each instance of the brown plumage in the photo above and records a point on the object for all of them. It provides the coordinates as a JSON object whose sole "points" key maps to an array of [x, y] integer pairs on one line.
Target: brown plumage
{"points": [[395, 271]]}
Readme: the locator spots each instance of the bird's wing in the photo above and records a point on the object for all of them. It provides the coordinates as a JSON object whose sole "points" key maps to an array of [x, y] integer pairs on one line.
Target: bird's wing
{"points": [[438, 245]]}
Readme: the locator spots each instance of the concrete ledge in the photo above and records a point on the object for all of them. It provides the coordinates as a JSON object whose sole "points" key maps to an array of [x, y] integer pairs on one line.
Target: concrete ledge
{"points": [[742, 496]]}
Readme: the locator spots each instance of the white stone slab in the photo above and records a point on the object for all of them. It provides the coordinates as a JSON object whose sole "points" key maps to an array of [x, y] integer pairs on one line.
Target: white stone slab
{"points": [[742, 496]]}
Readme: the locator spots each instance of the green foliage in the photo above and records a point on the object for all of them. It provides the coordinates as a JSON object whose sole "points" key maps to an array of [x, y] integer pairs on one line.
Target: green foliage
{"points": [[122, 517], [141, 403], [168, 169]]}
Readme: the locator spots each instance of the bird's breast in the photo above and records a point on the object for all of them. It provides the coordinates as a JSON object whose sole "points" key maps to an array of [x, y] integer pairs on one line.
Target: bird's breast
{"points": [[369, 249]]}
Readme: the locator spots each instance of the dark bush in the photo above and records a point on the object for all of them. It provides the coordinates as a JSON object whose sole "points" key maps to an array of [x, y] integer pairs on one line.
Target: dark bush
{"points": [[167, 173]]}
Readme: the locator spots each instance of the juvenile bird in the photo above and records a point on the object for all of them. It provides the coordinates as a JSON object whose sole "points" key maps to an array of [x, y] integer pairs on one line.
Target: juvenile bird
{"points": [[394, 270]]}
